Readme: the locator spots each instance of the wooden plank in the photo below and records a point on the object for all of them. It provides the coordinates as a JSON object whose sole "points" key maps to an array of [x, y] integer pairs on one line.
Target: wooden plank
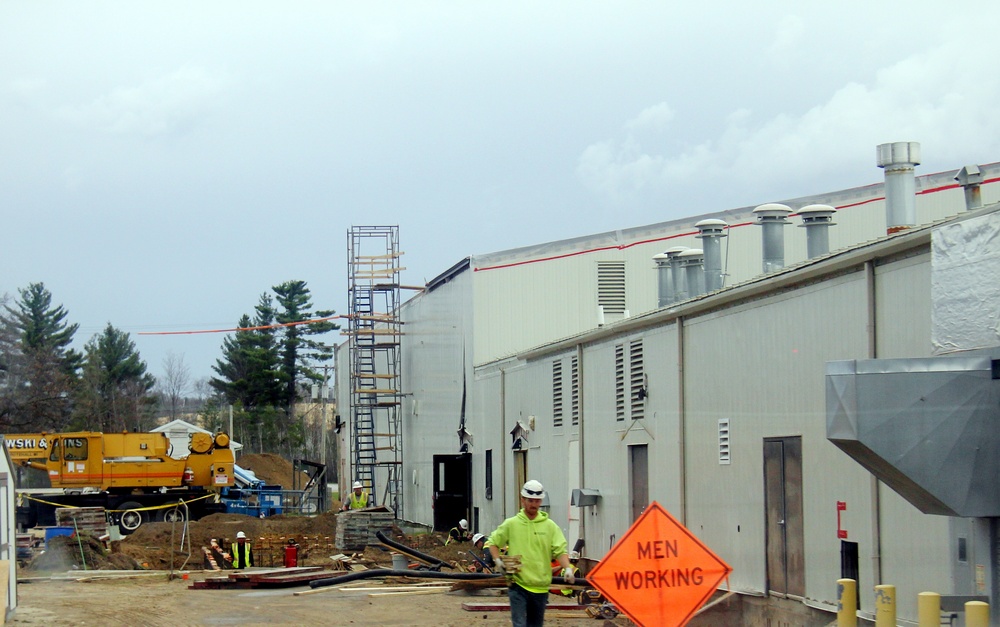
{"points": [[410, 592], [501, 606]]}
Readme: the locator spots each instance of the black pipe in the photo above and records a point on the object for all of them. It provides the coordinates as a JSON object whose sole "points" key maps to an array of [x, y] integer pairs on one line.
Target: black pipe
{"points": [[416, 574], [430, 560]]}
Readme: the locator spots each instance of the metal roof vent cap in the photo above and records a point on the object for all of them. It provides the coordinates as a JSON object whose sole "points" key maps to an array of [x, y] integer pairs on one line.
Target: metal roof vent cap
{"points": [[817, 219], [772, 217], [898, 159], [970, 178], [711, 231], [676, 274], [691, 260]]}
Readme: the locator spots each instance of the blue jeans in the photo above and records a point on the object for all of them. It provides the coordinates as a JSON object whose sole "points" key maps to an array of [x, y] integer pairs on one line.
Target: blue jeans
{"points": [[527, 609]]}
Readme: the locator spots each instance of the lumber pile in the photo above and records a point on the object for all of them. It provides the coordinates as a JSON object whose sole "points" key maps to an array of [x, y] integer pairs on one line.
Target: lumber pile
{"points": [[92, 519], [253, 578]]}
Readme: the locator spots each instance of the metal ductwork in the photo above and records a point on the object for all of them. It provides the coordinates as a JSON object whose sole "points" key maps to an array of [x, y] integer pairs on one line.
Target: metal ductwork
{"points": [[664, 282], [692, 262], [772, 217], [970, 178], [928, 428], [817, 220], [899, 159], [711, 233]]}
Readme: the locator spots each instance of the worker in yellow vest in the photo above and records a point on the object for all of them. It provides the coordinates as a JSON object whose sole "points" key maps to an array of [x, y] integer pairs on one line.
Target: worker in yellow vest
{"points": [[242, 552], [357, 499]]}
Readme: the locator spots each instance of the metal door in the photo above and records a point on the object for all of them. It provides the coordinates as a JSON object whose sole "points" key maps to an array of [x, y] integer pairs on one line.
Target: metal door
{"points": [[452, 490], [638, 470], [785, 537]]}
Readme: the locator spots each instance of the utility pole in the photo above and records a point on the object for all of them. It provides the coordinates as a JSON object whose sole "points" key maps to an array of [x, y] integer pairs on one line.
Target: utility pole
{"points": [[326, 393]]}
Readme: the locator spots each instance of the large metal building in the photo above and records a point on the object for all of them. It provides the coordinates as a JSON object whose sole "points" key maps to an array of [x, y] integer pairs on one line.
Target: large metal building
{"points": [[575, 363]]}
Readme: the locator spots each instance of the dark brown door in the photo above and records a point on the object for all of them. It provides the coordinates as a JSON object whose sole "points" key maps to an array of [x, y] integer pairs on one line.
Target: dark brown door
{"points": [[638, 469], [783, 504]]}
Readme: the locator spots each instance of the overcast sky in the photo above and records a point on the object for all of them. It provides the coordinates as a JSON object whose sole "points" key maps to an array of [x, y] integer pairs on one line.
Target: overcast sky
{"points": [[162, 164]]}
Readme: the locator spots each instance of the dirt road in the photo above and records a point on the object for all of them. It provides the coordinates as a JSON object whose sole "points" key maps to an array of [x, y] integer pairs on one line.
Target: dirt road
{"points": [[155, 601]]}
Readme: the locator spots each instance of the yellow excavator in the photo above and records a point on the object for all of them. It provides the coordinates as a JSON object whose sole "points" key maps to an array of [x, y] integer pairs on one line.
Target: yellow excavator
{"points": [[133, 475]]}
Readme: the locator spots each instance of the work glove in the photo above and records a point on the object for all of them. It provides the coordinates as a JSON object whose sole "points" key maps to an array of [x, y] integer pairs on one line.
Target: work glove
{"points": [[568, 576], [498, 567]]}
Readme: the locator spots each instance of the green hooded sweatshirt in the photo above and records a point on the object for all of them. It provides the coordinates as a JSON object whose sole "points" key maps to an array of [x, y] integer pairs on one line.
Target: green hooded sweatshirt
{"points": [[537, 541]]}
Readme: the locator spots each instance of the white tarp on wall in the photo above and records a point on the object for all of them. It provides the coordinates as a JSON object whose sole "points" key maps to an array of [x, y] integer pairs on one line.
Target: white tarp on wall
{"points": [[965, 284]]}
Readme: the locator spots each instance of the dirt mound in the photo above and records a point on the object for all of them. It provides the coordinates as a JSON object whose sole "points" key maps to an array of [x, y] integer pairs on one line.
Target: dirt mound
{"points": [[273, 470]]}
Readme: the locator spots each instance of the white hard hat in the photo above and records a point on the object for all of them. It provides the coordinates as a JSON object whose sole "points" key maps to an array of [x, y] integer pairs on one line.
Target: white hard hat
{"points": [[476, 538], [533, 490], [357, 484], [240, 535], [464, 524]]}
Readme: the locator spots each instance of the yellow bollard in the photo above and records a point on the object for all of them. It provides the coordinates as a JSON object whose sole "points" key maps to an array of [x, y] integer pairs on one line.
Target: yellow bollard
{"points": [[885, 606], [929, 609], [977, 614], [847, 603]]}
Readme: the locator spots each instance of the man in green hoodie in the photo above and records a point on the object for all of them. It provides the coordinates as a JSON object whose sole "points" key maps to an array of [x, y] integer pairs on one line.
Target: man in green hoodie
{"points": [[538, 540]]}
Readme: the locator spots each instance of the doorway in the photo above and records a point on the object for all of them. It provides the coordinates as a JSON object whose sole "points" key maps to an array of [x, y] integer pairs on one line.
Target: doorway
{"points": [[638, 475], [452, 490], [785, 536]]}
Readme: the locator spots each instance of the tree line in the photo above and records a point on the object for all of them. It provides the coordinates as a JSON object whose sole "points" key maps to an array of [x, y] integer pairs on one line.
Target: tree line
{"points": [[265, 369]]}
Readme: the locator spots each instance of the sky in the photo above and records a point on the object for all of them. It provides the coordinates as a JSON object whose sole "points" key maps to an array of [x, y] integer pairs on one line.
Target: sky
{"points": [[163, 164]]}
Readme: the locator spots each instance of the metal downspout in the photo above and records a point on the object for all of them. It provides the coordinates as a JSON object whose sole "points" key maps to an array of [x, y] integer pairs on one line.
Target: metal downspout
{"points": [[583, 450], [503, 443], [681, 427], [876, 499]]}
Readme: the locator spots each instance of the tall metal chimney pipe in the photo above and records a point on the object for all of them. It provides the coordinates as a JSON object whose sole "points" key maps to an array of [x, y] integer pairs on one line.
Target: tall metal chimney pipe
{"points": [[711, 232], [817, 220], [898, 159], [676, 273], [692, 261], [664, 282], [971, 178], [772, 217]]}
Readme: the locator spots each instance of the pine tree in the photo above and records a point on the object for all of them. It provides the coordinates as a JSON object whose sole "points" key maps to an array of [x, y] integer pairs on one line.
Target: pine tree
{"points": [[115, 389], [299, 352], [40, 370]]}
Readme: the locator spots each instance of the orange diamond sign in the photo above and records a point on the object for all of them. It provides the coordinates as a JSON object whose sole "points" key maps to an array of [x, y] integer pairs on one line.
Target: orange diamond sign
{"points": [[658, 573]]}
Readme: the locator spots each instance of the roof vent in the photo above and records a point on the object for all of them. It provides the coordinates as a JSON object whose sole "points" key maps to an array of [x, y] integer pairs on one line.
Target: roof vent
{"points": [[898, 159], [676, 280], [772, 217], [817, 220], [691, 260], [970, 178], [712, 232]]}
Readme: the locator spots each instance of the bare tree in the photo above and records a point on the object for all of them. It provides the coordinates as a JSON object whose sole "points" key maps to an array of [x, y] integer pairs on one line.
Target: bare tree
{"points": [[175, 382]]}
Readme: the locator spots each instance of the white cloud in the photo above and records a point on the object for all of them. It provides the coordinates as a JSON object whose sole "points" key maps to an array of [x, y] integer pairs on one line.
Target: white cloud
{"points": [[938, 98], [154, 107], [655, 118]]}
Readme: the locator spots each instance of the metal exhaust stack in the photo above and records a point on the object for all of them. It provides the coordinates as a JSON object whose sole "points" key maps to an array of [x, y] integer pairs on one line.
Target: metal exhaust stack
{"points": [[898, 159], [712, 232], [692, 261], [817, 220], [970, 178], [772, 217], [676, 274], [664, 282]]}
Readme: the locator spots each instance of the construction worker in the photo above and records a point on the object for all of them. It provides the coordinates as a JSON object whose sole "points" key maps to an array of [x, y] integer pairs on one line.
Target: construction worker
{"points": [[537, 540], [357, 499], [459, 533], [484, 561], [242, 552]]}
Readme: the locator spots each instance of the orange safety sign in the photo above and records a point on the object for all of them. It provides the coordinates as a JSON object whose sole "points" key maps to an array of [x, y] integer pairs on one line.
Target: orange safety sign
{"points": [[658, 573]]}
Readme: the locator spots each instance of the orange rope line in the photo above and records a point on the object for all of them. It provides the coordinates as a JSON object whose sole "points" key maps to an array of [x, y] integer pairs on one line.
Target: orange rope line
{"points": [[237, 329]]}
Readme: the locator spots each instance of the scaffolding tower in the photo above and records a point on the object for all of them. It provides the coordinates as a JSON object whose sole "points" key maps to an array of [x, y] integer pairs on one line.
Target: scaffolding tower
{"points": [[374, 331]]}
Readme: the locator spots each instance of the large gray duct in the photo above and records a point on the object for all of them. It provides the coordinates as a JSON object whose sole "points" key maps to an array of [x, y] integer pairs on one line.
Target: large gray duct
{"points": [[772, 217], [692, 262], [666, 292], [817, 220], [928, 428], [899, 159], [677, 273], [970, 178], [711, 233]]}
